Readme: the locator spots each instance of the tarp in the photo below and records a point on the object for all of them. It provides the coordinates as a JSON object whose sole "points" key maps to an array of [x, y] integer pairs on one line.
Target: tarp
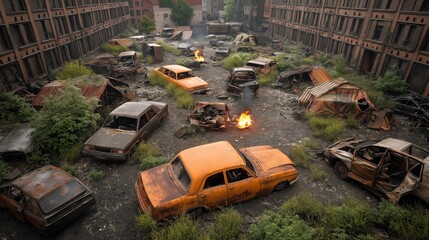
{"points": [[17, 141], [341, 98]]}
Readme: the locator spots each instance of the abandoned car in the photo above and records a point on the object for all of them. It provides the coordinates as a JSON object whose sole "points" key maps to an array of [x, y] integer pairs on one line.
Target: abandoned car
{"points": [[210, 176], [392, 167], [261, 65], [245, 49], [48, 198], [124, 128], [414, 107], [242, 81], [184, 78], [222, 52]]}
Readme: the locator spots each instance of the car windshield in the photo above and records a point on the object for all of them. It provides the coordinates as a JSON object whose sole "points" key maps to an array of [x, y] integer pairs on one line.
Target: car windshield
{"points": [[61, 196], [184, 75], [180, 172], [249, 164], [118, 122]]}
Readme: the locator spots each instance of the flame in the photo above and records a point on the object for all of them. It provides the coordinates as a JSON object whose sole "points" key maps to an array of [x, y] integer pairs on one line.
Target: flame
{"points": [[199, 56], [244, 121]]}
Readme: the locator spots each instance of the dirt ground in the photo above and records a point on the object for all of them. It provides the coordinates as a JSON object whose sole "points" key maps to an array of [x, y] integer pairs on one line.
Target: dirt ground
{"points": [[278, 121]]}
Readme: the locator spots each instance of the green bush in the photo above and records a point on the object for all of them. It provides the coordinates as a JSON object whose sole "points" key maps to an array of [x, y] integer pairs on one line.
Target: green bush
{"points": [[13, 108], [64, 120], [228, 224], [284, 61], [310, 143], [168, 48], [73, 70], [183, 99], [328, 128], [268, 79], [4, 168], [114, 49], [128, 32], [317, 173], [72, 155], [181, 229], [155, 78], [143, 151], [68, 168], [237, 60], [149, 59], [183, 61], [340, 65], [307, 61], [352, 122], [96, 175], [151, 162], [306, 207], [391, 84], [146, 223], [40, 159], [300, 156]]}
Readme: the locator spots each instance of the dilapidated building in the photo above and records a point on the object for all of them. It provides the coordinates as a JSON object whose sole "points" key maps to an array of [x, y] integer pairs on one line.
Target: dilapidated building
{"points": [[38, 36], [373, 36]]}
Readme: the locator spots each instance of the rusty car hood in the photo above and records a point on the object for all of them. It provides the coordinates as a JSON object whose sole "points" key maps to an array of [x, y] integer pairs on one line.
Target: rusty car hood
{"points": [[159, 186], [111, 138], [193, 83], [267, 158]]}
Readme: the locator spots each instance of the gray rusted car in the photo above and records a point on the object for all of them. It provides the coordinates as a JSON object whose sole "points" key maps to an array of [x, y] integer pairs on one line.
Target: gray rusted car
{"points": [[48, 198], [392, 167], [242, 81], [124, 128]]}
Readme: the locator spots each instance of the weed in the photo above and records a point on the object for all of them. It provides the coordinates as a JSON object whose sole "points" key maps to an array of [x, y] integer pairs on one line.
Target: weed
{"points": [[145, 150], [183, 99], [14, 108], [300, 156], [352, 122], [181, 229], [267, 79], [4, 168], [114, 49], [306, 207], [307, 61], [310, 143], [156, 78], [340, 65], [149, 59], [391, 84], [183, 62], [171, 89], [151, 162], [73, 70], [146, 223], [168, 48], [237, 60], [72, 155], [227, 225], [96, 175], [329, 128], [69, 168], [284, 61], [317, 173]]}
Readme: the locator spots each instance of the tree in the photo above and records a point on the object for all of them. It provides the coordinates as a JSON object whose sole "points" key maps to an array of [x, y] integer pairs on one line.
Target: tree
{"points": [[181, 14], [13, 108], [230, 10], [146, 25]]}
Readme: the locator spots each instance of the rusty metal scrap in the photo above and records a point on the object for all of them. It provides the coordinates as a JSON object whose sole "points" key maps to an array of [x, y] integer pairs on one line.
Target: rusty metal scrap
{"points": [[210, 115]]}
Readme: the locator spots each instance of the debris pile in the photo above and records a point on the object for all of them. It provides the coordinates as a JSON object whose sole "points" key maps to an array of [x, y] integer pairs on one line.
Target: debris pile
{"points": [[210, 115]]}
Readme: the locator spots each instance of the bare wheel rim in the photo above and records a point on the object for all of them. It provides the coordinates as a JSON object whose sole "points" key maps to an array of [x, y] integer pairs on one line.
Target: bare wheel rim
{"points": [[340, 170]]}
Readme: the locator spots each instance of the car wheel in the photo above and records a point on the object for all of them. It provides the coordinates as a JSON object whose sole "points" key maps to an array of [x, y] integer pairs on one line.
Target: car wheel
{"points": [[194, 213], [281, 186], [340, 170]]}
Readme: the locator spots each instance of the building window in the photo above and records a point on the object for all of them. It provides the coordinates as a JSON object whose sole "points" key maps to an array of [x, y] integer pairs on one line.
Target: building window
{"points": [[425, 45], [45, 29], [10, 76], [378, 30], [361, 4], [23, 33], [407, 36], [56, 4], [166, 16], [37, 4], [417, 6], [345, 3], [70, 3], [5, 43], [355, 27], [61, 25], [74, 23], [33, 66], [396, 64], [419, 77], [340, 24], [386, 4], [12, 6]]}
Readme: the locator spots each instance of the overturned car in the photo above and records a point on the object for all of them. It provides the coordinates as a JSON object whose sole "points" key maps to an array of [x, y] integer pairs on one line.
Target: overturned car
{"points": [[392, 167]]}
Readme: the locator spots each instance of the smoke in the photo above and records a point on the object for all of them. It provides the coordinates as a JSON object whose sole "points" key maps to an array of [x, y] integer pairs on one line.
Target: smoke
{"points": [[247, 101]]}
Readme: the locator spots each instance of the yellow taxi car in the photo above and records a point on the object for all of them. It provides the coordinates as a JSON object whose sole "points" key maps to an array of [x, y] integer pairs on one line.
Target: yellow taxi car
{"points": [[184, 78], [210, 176]]}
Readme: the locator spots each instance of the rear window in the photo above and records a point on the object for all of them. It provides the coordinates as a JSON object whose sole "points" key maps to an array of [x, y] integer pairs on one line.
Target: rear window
{"points": [[180, 173], [61, 196], [255, 65]]}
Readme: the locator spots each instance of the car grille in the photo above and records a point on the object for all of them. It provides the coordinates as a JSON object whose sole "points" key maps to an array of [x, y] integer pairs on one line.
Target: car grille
{"points": [[101, 149]]}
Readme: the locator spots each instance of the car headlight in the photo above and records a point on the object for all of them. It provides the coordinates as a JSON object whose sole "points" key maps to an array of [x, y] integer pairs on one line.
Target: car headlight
{"points": [[89, 147], [117, 151]]}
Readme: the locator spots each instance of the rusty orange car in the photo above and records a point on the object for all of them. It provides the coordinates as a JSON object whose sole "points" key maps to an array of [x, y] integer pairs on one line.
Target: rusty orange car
{"points": [[184, 78], [210, 176]]}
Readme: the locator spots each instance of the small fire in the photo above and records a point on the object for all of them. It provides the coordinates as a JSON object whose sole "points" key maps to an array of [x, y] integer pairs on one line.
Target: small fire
{"points": [[244, 121], [199, 56]]}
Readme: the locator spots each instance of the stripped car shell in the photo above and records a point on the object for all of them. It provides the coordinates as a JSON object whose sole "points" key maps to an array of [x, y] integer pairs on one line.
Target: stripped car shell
{"points": [[124, 128], [48, 198], [211, 176], [184, 78], [394, 168]]}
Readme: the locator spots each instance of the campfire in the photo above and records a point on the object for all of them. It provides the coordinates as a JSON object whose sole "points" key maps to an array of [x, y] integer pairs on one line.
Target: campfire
{"points": [[244, 120], [199, 56]]}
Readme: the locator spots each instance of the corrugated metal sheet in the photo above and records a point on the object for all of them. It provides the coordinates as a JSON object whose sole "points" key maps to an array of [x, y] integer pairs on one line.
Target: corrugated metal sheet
{"points": [[186, 35], [319, 90], [121, 42], [319, 75]]}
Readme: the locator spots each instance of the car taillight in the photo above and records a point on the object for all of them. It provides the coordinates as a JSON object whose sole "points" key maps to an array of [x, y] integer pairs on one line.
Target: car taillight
{"points": [[87, 147], [117, 151]]}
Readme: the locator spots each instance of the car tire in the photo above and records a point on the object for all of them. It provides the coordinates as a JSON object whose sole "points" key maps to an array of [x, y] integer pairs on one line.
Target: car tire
{"points": [[340, 170], [280, 186], [194, 213]]}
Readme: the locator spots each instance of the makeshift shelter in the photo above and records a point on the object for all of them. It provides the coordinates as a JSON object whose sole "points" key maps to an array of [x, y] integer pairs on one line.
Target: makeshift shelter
{"points": [[121, 42], [154, 50], [181, 33], [94, 86], [246, 39], [316, 75], [338, 97], [17, 144]]}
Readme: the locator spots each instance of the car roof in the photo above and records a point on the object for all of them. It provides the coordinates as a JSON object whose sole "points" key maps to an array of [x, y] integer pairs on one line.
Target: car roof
{"points": [[394, 144], [177, 68], [205, 159], [131, 109], [42, 181], [127, 53], [261, 60], [246, 69]]}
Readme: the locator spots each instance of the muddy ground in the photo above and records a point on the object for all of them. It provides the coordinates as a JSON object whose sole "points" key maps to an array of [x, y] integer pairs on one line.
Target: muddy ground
{"points": [[278, 121]]}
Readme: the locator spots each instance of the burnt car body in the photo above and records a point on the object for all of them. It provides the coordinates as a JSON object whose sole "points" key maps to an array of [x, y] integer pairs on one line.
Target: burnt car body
{"points": [[124, 128], [48, 198], [246, 49], [210, 176], [392, 167], [242, 81], [414, 107], [222, 52]]}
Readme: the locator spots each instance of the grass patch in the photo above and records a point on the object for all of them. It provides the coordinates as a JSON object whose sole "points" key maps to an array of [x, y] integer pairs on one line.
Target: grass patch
{"points": [[146, 223], [352, 122], [183, 99], [317, 173], [73, 70], [227, 225], [4, 168], [114, 49], [73, 154], [237, 60], [145, 150], [96, 175], [155, 78], [307, 61], [183, 61], [306, 207], [69, 168], [151, 162], [268, 79], [300, 156], [391, 83], [168, 48], [310, 143], [149, 59], [181, 229], [328, 128]]}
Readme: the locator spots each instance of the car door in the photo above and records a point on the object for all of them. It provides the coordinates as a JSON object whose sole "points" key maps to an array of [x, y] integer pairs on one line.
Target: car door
{"points": [[11, 198], [143, 127], [213, 193], [153, 121], [362, 167], [242, 185], [33, 214]]}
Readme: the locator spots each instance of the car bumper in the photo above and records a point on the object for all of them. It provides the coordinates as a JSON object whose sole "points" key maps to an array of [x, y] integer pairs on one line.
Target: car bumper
{"points": [[293, 181], [200, 91], [105, 155]]}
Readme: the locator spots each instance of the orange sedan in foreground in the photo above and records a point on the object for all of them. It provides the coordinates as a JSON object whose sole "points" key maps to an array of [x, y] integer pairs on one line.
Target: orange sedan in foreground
{"points": [[210, 176]]}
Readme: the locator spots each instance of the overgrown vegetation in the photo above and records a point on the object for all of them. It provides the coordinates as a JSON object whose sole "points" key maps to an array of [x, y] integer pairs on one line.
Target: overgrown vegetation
{"points": [[181, 13], [64, 120], [183, 61], [128, 32], [183, 98], [181, 229], [96, 175], [146, 25], [237, 60], [146, 223], [168, 47], [73, 70], [392, 84], [328, 128], [148, 156], [227, 225], [68, 168], [114, 49], [230, 11], [267, 79], [317, 173], [4, 168], [14, 108], [299, 156]]}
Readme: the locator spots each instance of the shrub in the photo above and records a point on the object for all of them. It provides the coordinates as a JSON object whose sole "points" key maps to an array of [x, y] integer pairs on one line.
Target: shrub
{"points": [[128, 32], [72, 155], [317, 173], [183, 99], [114, 49], [183, 61], [307, 61], [300, 156], [237, 60], [39, 159], [329, 128], [391, 84], [151, 162], [181, 229], [310, 143], [268, 79], [340, 65], [63, 121], [149, 59], [96, 175], [352, 122], [69, 168], [168, 48], [227, 225], [156, 79], [4, 168], [146, 223], [73, 70], [13, 108], [284, 61], [145, 150], [306, 207]]}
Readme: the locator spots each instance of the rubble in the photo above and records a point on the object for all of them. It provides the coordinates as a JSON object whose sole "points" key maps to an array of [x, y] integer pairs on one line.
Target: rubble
{"points": [[211, 115]]}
